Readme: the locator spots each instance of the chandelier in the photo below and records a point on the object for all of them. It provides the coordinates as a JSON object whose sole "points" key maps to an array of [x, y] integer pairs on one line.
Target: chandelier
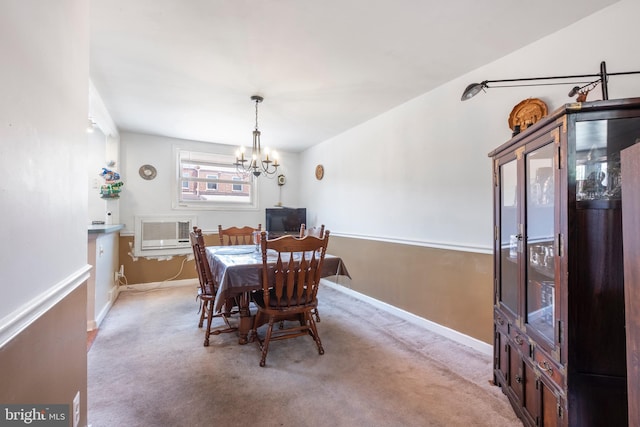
{"points": [[257, 164]]}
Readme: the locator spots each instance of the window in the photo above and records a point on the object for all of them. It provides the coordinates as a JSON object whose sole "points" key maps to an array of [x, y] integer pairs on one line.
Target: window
{"points": [[236, 187], [210, 181], [212, 186]]}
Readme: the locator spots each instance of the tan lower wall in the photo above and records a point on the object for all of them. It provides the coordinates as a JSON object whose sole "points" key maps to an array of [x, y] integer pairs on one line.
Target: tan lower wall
{"points": [[47, 362], [146, 270], [451, 288]]}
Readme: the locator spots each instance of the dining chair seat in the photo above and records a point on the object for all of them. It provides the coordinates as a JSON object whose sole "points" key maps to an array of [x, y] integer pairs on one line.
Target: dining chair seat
{"points": [[294, 300]]}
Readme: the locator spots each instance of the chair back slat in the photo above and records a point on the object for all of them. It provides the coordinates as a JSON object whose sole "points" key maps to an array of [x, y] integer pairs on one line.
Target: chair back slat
{"points": [[233, 236]]}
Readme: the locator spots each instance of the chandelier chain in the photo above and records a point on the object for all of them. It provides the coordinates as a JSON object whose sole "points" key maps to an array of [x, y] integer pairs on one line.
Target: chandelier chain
{"points": [[257, 114]]}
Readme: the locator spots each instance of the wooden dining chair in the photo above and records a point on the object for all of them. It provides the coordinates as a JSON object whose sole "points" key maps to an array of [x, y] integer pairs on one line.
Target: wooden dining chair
{"points": [[317, 231], [289, 291], [237, 235], [196, 256], [208, 288]]}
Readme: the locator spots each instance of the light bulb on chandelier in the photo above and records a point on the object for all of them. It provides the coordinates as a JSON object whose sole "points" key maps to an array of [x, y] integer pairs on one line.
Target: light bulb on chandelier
{"points": [[257, 165]]}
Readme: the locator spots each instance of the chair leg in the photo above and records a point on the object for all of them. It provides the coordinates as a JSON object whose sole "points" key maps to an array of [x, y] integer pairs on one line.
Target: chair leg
{"points": [[209, 305], [203, 310], [225, 316], [253, 334], [265, 345], [314, 331], [315, 311]]}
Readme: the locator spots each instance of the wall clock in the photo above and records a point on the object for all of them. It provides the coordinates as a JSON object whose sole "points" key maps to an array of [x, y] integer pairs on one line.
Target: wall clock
{"points": [[319, 172], [147, 172]]}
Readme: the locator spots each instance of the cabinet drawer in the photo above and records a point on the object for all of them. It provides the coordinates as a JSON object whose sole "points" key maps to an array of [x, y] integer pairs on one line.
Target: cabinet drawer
{"points": [[549, 368], [520, 341]]}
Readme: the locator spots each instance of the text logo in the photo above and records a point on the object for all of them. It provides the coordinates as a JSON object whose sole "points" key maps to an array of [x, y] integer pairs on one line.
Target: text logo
{"points": [[34, 415]]}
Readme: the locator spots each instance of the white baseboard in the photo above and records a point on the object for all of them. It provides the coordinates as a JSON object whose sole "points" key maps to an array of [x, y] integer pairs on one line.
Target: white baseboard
{"points": [[452, 334], [95, 323], [158, 285]]}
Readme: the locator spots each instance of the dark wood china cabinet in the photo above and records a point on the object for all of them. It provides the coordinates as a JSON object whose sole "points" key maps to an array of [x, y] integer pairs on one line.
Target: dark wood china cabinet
{"points": [[559, 350]]}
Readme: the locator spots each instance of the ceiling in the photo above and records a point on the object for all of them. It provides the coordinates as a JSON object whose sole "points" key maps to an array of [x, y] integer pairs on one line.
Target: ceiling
{"points": [[187, 69]]}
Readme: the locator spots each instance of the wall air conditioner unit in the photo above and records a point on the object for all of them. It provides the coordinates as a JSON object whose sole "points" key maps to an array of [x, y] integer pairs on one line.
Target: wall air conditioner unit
{"points": [[161, 236]]}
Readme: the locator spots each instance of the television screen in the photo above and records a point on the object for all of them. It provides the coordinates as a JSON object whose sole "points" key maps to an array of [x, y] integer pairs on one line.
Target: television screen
{"points": [[285, 220]]}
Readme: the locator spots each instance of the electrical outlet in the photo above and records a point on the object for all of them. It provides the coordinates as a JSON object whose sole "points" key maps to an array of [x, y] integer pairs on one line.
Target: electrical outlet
{"points": [[76, 410]]}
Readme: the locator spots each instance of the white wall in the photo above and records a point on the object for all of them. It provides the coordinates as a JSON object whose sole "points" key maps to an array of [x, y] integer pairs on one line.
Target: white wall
{"points": [[154, 197], [420, 172], [96, 149], [43, 150], [103, 148]]}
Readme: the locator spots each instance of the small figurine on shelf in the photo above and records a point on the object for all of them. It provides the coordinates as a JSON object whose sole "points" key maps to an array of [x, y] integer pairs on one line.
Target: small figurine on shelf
{"points": [[109, 175], [111, 188]]}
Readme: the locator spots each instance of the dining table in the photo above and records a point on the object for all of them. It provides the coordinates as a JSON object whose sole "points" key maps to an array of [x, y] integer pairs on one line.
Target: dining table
{"points": [[237, 271]]}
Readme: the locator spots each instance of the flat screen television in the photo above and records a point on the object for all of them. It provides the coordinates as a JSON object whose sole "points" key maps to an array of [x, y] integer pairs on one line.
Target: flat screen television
{"points": [[280, 221]]}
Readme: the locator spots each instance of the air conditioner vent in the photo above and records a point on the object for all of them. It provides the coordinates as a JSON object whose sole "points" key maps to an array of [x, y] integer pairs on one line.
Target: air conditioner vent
{"points": [[162, 235]]}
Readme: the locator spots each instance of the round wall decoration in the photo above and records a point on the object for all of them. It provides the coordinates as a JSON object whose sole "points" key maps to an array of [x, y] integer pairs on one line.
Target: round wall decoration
{"points": [[147, 172], [319, 172], [282, 180]]}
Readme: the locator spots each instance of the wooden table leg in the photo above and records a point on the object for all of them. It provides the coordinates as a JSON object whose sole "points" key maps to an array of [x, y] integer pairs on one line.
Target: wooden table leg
{"points": [[246, 320]]}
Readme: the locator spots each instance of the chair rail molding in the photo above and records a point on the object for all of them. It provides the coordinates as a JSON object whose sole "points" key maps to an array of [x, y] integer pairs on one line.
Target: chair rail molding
{"points": [[424, 243], [14, 323]]}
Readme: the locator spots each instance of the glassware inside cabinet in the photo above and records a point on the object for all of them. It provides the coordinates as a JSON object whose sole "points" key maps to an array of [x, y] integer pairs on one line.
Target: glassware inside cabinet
{"points": [[598, 145]]}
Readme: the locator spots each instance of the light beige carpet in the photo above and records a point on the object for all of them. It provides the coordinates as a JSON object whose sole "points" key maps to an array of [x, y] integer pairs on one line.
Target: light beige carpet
{"points": [[148, 367]]}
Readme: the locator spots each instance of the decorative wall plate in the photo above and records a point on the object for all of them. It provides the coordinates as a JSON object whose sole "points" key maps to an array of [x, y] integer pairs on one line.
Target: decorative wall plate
{"points": [[319, 172], [281, 179], [147, 172], [527, 113]]}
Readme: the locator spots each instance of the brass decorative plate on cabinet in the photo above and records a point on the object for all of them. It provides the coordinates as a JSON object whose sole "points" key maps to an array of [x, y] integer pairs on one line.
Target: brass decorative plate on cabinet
{"points": [[527, 113], [319, 172]]}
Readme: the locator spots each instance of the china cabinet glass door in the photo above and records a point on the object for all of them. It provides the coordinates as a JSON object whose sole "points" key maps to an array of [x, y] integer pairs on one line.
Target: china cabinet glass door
{"points": [[510, 237], [540, 232]]}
